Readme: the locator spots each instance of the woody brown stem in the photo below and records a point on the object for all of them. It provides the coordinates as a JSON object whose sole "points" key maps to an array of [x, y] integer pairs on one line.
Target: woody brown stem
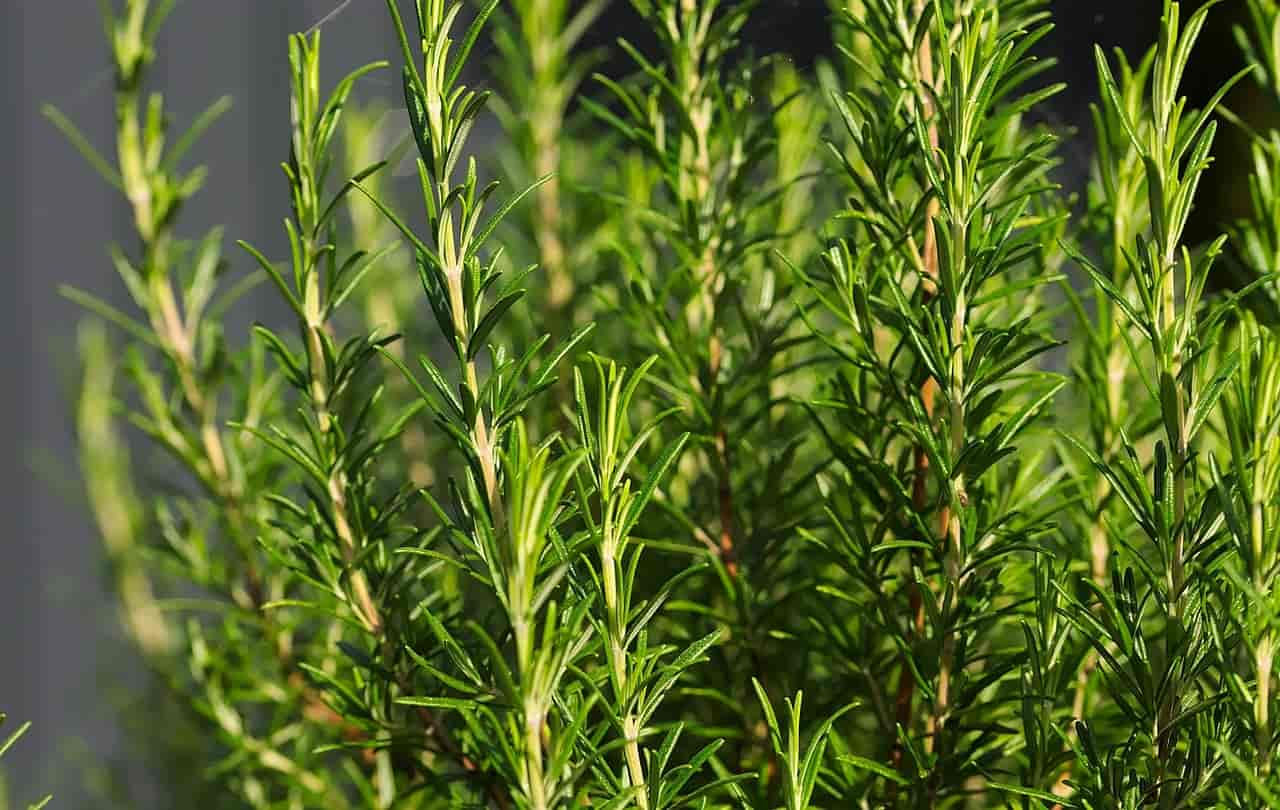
{"points": [[928, 395], [728, 553]]}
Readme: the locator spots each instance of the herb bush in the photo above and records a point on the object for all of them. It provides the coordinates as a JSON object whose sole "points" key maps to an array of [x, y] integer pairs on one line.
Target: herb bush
{"points": [[807, 519]]}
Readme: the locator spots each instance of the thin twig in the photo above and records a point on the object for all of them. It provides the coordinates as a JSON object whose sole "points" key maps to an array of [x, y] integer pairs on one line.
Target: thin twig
{"points": [[928, 395]]}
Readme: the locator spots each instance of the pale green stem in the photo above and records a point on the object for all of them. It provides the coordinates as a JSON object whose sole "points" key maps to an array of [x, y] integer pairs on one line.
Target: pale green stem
{"points": [[617, 659], [953, 554], [1264, 651]]}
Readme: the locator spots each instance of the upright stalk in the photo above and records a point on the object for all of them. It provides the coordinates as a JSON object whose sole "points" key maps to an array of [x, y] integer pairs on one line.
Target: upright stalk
{"points": [[177, 287], [1266, 476], [612, 503], [694, 122], [976, 171], [958, 197], [540, 72], [1168, 348], [314, 120], [148, 184], [923, 63], [1119, 185], [690, 27], [1253, 413], [1252, 419], [611, 514], [507, 510], [1169, 283]]}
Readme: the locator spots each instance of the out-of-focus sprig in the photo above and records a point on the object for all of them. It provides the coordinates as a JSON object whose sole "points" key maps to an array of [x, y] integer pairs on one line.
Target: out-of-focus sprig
{"points": [[1247, 494], [1259, 39], [7, 743], [198, 534], [1103, 372], [1246, 482], [541, 69]]}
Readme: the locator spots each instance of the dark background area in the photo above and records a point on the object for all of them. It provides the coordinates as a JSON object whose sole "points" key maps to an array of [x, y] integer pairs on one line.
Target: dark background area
{"points": [[59, 644]]}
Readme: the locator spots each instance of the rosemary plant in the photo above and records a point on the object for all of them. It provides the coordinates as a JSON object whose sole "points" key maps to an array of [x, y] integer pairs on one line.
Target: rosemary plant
{"points": [[1102, 368], [502, 516], [702, 296], [432, 541], [1246, 484], [932, 316], [228, 664], [1161, 679]]}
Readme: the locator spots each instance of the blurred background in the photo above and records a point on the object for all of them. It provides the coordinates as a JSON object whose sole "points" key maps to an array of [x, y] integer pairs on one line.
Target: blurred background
{"points": [[63, 662]]}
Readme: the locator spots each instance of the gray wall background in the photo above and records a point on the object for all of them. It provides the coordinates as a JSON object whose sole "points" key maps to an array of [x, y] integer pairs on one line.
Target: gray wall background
{"points": [[57, 630]]}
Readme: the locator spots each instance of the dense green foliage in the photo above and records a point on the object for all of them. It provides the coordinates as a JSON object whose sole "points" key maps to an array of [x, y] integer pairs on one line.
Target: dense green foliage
{"points": [[719, 453]]}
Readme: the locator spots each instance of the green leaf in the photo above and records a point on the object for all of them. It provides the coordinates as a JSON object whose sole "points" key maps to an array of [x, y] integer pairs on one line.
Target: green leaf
{"points": [[496, 219], [14, 737], [101, 308], [491, 319], [274, 274], [453, 704], [82, 145], [878, 768], [198, 127], [1019, 790], [1204, 404]]}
